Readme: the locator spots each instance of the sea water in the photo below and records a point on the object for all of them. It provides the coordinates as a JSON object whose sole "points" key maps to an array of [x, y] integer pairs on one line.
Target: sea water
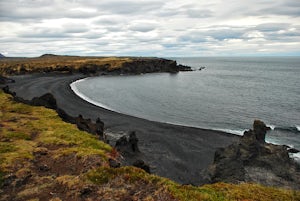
{"points": [[228, 94]]}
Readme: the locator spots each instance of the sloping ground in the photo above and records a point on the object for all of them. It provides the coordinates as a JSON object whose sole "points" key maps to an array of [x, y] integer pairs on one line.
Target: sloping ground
{"points": [[44, 158], [48, 63]]}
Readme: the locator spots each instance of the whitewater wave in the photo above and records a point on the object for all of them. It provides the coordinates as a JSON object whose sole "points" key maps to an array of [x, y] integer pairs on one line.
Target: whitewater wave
{"points": [[296, 157], [293, 129], [77, 92], [271, 126], [232, 131]]}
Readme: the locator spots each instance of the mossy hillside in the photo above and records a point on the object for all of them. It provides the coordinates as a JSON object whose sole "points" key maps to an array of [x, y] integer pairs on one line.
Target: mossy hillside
{"points": [[27, 130], [212, 192], [58, 63]]}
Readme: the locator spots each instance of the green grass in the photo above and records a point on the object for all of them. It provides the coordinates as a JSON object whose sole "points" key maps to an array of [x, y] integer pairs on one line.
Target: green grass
{"points": [[22, 122], [6, 147], [213, 192]]}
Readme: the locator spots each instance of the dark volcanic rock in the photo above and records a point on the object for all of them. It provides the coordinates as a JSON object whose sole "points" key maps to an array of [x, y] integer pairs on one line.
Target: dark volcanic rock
{"points": [[141, 164], [253, 160], [293, 150], [90, 127], [133, 141], [46, 100], [128, 146], [5, 80], [150, 65]]}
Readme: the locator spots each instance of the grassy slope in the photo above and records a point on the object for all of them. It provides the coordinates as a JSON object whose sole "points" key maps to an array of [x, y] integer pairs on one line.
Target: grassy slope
{"points": [[77, 166], [56, 62]]}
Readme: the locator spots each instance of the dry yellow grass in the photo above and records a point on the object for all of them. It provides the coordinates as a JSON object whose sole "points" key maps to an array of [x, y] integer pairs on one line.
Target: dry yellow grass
{"points": [[57, 62]]}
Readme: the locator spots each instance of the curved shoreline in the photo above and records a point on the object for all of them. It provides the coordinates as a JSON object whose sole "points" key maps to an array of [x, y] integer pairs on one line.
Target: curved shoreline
{"points": [[99, 104], [177, 152]]}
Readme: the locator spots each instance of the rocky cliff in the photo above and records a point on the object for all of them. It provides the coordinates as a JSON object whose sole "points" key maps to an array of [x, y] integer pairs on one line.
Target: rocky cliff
{"points": [[138, 66], [253, 160], [88, 65]]}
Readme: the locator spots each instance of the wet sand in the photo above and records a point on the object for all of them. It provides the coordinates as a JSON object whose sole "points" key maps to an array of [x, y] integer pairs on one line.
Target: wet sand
{"points": [[177, 152]]}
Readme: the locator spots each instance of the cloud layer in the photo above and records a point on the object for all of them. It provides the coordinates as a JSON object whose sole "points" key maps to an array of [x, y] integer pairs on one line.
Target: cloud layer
{"points": [[150, 27]]}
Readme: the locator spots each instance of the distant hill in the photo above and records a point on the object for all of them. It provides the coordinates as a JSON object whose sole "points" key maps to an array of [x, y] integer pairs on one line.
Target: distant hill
{"points": [[48, 55], [1, 55]]}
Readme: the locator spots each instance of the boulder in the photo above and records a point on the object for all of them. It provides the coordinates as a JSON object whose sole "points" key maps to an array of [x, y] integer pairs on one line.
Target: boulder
{"points": [[128, 144], [133, 141], [141, 164], [46, 100]]}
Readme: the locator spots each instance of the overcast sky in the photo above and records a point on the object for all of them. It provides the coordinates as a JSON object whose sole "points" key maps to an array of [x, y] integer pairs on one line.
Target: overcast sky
{"points": [[150, 27]]}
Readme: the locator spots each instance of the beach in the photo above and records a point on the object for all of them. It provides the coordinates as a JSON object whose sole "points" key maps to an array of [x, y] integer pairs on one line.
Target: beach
{"points": [[180, 153]]}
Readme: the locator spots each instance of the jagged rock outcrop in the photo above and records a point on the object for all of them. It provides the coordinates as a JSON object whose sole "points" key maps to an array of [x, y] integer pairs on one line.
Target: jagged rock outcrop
{"points": [[253, 160], [128, 145]]}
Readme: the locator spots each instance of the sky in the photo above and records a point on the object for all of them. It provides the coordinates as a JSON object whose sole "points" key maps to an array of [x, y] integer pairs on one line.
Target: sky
{"points": [[164, 28]]}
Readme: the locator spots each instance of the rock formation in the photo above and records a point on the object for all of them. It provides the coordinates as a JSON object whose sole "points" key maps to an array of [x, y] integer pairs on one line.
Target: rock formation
{"points": [[138, 66], [127, 146], [253, 160]]}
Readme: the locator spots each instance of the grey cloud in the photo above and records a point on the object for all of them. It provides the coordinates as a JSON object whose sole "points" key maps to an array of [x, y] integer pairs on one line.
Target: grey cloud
{"points": [[224, 33], [44, 34], [52, 32], [37, 10], [271, 27], [142, 27], [129, 7], [109, 20], [199, 13], [195, 38], [74, 28], [277, 31], [289, 11]]}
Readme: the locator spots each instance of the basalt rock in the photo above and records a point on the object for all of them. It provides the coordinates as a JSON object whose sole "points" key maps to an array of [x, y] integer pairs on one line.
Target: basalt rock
{"points": [[5, 80], [141, 164], [90, 127], [128, 145], [253, 160], [150, 65], [47, 100]]}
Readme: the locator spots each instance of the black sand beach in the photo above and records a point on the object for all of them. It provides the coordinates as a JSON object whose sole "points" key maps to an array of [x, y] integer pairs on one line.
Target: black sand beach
{"points": [[176, 152]]}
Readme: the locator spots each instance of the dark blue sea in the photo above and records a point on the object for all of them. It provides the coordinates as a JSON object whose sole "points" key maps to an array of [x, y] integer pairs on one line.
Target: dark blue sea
{"points": [[227, 95]]}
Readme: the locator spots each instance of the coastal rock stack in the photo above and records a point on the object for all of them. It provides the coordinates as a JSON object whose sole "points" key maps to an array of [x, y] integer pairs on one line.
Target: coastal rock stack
{"points": [[251, 159]]}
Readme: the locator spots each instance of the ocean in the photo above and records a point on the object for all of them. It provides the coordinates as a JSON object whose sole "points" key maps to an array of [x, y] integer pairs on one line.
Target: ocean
{"points": [[228, 94]]}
